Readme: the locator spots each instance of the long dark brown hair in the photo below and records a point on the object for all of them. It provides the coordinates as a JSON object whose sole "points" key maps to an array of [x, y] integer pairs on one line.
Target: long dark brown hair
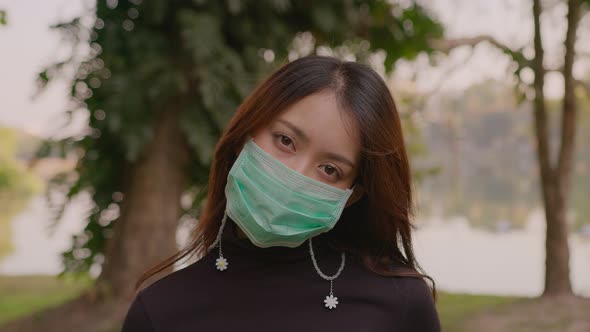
{"points": [[377, 226]]}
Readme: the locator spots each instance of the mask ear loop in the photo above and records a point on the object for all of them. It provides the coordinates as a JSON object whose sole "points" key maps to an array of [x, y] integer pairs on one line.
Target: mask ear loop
{"points": [[221, 263]]}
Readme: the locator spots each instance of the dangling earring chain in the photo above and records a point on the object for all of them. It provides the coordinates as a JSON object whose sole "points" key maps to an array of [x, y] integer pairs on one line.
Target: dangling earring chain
{"points": [[331, 301], [220, 263]]}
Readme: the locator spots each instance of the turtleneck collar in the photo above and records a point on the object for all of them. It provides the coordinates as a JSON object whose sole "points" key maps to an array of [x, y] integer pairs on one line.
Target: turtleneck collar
{"points": [[232, 243]]}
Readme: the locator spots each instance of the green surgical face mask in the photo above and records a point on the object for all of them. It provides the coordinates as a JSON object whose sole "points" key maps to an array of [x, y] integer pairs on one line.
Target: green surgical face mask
{"points": [[277, 206]]}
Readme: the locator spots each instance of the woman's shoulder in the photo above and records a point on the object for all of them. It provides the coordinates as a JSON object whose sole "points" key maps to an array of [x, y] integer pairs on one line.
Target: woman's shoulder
{"points": [[415, 301], [414, 295], [402, 281], [415, 291], [409, 299]]}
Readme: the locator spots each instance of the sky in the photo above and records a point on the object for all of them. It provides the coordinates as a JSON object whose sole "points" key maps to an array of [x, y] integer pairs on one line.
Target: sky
{"points": [[28, 45]]}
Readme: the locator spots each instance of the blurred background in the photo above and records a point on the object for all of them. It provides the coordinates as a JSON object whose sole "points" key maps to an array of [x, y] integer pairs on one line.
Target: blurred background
{"points": [[94, 96]]}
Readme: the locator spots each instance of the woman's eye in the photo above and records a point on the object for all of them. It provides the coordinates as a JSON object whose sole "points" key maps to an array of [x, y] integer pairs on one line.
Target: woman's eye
{"points": [[284, 140], [331, 170]]}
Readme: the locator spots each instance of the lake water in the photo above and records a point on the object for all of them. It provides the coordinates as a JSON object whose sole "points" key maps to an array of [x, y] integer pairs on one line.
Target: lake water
{"points": [[459, 257], [463, 259]]}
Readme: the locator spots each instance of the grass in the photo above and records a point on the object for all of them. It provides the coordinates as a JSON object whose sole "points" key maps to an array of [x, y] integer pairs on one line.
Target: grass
{"points": [[454, 309], [23, 295]]}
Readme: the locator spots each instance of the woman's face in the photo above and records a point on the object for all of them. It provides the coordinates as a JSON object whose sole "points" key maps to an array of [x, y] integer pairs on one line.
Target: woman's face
{"points": [[316, 138]]}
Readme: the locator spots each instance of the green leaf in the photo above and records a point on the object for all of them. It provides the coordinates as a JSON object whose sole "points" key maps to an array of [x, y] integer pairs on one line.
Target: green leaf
{"points": [[2, 17], [201, 133]]}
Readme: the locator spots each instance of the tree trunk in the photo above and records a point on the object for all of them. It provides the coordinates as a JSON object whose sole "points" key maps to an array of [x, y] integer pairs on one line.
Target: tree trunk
{"points": [[150, 209], [555, 181]]}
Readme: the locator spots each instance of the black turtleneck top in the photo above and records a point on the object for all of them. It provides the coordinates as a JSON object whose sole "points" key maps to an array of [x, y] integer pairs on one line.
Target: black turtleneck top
{"points": [[278, 289]]}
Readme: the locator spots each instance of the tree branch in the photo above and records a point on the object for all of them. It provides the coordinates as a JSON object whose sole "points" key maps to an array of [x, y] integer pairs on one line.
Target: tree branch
{"points": [[446, 45]]}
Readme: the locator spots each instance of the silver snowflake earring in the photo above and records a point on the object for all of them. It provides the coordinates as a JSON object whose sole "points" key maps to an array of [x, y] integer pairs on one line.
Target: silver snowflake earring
{"points": [[221, 263], [331, 301]]}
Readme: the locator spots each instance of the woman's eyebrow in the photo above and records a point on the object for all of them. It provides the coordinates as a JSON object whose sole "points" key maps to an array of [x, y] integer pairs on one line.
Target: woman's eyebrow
{"points": [[295, 129], [337, 157], [304, 137]]}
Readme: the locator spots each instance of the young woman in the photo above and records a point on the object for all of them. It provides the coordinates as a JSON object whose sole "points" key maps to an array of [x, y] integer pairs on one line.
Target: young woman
{"points": [[307, 225]]}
